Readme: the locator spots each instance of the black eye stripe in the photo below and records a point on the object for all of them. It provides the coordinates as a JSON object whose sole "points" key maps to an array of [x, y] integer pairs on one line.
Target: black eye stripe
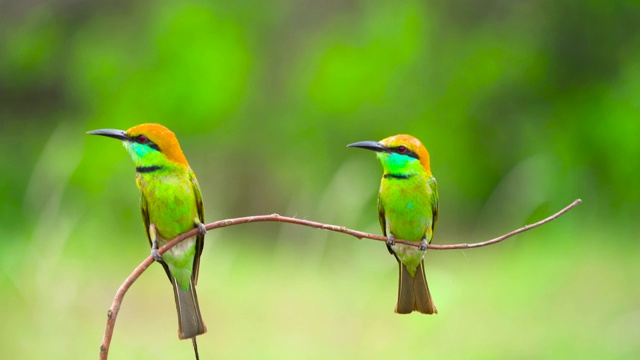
{"points": [[143, 140], [406, 151]]}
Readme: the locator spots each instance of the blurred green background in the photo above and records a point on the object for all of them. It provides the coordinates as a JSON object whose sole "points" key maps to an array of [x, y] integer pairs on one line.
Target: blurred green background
{"points": [[523, 105]]}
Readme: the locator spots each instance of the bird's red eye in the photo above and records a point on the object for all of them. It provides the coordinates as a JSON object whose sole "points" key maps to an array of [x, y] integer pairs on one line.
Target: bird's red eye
{"points": [[142, 139], [402, 149]]}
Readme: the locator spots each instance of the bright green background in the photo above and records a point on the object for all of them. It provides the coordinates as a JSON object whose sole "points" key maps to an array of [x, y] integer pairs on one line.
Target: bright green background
{"points": [[523, 105]]}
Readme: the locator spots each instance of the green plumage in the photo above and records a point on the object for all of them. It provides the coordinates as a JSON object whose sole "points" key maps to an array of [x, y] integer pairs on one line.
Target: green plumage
{"points": [[407, 210], [171, 204], [170, 199]]}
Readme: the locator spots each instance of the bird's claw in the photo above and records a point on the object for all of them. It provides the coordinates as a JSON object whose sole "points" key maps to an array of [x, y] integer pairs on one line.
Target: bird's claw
{"points": [[154, 252], [423, 245], [391, 240], [202, 230]]}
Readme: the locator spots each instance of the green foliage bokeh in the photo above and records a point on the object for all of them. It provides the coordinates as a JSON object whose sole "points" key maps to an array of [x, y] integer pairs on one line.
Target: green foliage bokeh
{"points": [[524, 107]]}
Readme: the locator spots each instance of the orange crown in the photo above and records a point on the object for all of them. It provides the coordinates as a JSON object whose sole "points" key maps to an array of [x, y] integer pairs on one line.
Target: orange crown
{"points": [[412, 144], [164, 138]]}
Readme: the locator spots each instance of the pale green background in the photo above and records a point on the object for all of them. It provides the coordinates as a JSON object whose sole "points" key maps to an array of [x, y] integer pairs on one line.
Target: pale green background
{"points": [[523, 105]]}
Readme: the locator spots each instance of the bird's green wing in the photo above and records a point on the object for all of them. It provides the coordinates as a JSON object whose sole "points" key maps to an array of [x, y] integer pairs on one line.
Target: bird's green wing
{"points": [[199, 238], [383, 222], [433, 184], [145, 215], [144, 209]]}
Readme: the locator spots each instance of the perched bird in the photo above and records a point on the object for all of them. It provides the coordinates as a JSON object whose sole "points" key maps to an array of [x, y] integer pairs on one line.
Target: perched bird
{"points": [[171, 204], [408, 210]]}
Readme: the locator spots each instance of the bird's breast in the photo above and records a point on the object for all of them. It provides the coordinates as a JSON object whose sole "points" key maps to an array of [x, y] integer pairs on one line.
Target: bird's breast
{"points": [[407, 208], [171, 203]]}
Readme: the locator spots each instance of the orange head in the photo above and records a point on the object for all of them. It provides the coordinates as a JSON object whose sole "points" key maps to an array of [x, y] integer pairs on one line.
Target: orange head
{"points": [[149, 144], [399, 154]]}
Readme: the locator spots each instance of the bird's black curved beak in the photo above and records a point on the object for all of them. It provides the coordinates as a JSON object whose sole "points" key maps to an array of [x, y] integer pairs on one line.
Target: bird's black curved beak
{"points": [[112, 133], [369, 145]]}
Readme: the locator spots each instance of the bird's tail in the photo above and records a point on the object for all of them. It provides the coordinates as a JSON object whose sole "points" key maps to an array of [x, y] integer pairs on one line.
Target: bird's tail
{"points": [[190, 322], [413, 292]]}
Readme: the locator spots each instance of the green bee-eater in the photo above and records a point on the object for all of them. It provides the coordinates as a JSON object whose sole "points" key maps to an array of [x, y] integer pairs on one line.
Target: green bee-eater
{"points": [[408, 210], [171, 204]]}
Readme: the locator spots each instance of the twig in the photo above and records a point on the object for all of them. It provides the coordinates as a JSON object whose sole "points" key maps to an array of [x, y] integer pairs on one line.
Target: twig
{"points": [[112, 314]]}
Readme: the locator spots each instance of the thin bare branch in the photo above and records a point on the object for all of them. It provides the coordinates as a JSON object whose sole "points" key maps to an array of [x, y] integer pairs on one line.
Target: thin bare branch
{"points": [[112, 314]]}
